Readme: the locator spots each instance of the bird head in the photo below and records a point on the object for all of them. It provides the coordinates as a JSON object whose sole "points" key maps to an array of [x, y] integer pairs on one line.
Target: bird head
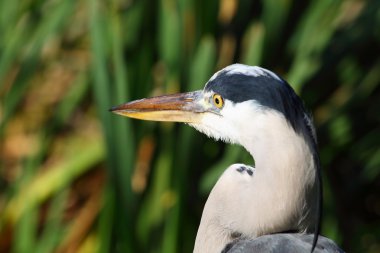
{"points": [[232, 97]]}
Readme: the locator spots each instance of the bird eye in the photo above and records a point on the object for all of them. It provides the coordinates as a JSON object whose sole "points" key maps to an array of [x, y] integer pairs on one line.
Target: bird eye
{"points": [[218, 100]]}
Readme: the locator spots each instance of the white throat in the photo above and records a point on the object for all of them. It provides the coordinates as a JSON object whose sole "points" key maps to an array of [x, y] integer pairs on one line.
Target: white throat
{"points": [[278, 197]]}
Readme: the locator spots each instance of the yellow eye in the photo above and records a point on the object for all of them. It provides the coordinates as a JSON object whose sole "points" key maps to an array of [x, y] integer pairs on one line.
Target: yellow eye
{"points": [[218, 100]]}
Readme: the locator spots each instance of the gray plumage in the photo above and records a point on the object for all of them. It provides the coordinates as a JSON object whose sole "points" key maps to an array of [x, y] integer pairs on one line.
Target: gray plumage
{"points": [[282, 243], [252, 208], [240, 83]]}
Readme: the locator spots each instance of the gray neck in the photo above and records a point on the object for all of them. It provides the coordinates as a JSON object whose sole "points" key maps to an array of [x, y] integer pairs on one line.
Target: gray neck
{"points": [[278, 197], [286, 175]]}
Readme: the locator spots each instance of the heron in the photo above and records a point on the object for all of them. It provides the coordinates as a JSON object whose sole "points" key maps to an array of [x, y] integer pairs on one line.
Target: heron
{"points": [[274, 205]]}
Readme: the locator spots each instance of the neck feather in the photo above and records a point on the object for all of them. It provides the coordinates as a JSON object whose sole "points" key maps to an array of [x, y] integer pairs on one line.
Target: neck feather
{"points": [[286, 175], [278, 197]]}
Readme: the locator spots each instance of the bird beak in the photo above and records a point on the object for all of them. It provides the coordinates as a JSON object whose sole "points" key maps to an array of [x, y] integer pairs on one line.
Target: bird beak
{"points": [[183, 107]]}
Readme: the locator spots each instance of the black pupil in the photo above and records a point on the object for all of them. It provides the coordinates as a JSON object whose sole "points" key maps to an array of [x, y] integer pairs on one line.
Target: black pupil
{"points": [[217, 101]]}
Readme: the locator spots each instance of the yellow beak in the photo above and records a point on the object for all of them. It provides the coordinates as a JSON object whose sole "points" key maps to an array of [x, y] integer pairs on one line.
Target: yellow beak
{"points": [[182, 107]]}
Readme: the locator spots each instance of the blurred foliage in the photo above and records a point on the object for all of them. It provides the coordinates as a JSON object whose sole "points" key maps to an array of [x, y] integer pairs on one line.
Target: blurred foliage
{"points": [[75, 178]]}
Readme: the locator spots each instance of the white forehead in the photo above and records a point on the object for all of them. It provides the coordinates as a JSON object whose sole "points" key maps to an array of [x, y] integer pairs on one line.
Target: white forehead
{"points": [[237, 68]]}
